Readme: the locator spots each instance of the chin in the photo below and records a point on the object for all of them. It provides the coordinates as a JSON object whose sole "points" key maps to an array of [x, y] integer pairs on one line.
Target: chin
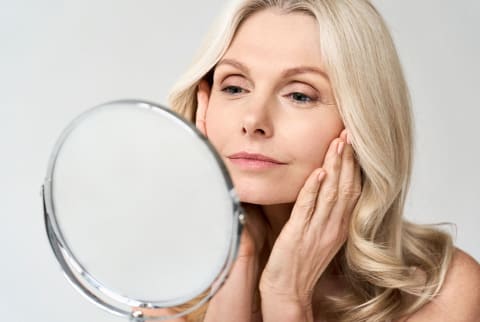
{"points": [[264, 195]]}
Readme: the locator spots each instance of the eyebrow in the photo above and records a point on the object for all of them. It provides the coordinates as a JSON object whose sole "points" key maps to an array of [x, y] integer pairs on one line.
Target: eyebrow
{"points": [[286, 73]]}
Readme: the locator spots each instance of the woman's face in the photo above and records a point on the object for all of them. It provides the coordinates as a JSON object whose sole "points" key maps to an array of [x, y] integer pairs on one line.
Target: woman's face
{"points": [[271, 97]]}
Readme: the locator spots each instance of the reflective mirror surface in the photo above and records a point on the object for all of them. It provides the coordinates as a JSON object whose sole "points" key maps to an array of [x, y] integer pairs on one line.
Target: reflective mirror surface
{"points": [[140, 210]]}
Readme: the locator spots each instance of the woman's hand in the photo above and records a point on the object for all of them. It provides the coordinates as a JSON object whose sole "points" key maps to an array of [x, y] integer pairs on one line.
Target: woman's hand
{"points": [[316, 229]]}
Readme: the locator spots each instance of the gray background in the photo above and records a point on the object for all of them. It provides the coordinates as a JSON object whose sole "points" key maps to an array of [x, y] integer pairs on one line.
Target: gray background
{"points": [[59, 58]]}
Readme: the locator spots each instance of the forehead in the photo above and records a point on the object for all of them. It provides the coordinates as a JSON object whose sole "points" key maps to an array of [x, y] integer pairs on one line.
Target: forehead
{"points": [[271, 38]]}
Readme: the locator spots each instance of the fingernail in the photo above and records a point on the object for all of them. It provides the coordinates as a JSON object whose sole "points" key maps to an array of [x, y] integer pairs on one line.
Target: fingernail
{"points": [[340, 148], [348, 138]]}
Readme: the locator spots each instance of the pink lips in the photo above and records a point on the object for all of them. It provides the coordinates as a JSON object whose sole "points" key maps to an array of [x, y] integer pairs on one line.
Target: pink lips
{"points": [[253, 161]]}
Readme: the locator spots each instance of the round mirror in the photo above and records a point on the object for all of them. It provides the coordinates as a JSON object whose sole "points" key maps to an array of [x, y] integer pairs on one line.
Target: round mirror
{"points": [[140, 211]]}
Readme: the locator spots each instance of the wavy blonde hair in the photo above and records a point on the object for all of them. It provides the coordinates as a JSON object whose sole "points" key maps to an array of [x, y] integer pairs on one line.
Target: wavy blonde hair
{"points": [[383, 250]]}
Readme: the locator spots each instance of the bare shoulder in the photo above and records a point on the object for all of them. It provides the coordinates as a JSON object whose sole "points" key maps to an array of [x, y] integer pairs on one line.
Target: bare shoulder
{"points": [[459, 297]]}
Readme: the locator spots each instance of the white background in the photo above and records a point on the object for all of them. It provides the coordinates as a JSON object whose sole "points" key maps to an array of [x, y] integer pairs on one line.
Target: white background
{"points": [[59, 58]]}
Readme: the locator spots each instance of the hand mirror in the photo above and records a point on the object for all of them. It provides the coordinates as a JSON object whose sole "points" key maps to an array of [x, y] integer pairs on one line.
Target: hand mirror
{"points": [[140, 210]]}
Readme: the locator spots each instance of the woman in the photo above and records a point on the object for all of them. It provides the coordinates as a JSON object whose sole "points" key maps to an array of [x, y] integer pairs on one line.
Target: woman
{"points": [[306, 103]]}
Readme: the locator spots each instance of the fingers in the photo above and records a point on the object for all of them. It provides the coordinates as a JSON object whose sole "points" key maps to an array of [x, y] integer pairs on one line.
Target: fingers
{"points": [[203, 94], [328, 195], [325, 206], [315, 203], [307, 198], [349, 189]]}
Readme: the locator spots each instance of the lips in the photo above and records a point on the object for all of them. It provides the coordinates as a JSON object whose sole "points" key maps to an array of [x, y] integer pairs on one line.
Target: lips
{"points": [[254, 157]]}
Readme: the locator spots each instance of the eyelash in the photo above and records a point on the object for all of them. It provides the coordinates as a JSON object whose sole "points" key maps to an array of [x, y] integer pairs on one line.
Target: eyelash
{"points": [[227, 89], [305, 99], [304, 96]]}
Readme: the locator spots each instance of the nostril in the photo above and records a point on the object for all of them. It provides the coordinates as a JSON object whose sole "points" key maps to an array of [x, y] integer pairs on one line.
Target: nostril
{"points": [[259, 131]]}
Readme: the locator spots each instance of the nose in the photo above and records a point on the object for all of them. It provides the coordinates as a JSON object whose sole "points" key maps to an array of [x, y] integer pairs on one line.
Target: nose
{"points": [[257, 121]]}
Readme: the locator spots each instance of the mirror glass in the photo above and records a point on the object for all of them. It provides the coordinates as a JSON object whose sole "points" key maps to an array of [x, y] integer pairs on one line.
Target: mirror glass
{"points": [[140, 210]]}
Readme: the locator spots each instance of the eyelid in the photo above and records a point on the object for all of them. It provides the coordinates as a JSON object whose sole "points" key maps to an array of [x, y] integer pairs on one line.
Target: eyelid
{"points": [[225, 73], [304, 89], [234, 76], [299, 86], [235, 80]]}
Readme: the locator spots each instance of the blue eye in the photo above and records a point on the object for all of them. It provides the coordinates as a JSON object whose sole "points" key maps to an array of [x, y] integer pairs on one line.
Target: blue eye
{"points": [[233, 90], [300, 98]]}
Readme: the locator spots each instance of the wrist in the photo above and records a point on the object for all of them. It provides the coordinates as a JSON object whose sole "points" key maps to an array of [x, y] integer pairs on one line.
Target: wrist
{"points": [[284, 308], [293, 302], [286, 295]]}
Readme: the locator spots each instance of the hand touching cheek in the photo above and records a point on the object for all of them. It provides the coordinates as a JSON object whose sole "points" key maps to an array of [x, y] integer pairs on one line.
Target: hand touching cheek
{"points": [[317, 228]]}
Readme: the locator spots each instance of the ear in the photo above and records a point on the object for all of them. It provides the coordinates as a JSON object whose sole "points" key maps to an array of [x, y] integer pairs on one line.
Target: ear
{"points": [[203, 95]]}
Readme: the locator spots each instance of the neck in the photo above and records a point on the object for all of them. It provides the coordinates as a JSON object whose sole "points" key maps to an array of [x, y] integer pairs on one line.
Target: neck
{"points": [[276, 216]]}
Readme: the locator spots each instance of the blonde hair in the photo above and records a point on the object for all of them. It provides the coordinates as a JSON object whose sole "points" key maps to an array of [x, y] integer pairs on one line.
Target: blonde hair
{"points": [[372, 96]]}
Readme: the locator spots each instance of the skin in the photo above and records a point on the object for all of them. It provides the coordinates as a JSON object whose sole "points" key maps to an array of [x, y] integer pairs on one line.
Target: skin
{"points": [[253, 107], [271, 96], [297, 219]]}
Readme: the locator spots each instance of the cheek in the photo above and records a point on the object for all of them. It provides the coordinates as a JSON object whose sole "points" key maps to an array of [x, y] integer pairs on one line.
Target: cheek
{"points": [[310, 142], [217, 126], [300, 140]]}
